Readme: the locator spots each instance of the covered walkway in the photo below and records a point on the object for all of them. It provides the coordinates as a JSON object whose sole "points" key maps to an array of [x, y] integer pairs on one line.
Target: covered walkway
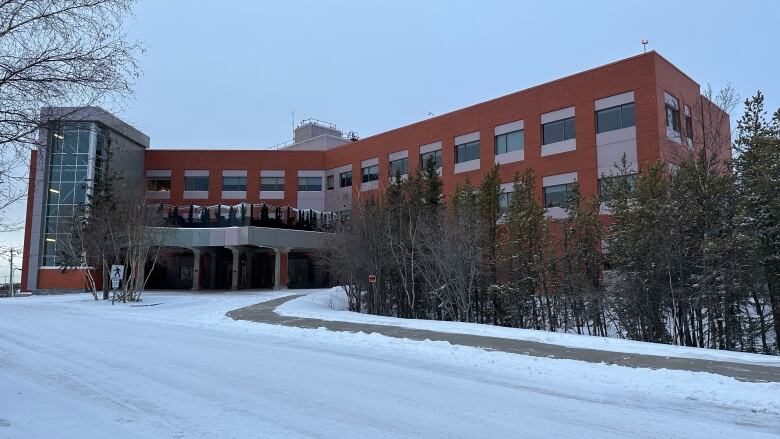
{"points": [[237, 258]]}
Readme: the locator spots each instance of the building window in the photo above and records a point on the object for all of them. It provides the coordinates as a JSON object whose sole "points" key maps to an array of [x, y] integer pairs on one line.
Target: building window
{"points": [[234, 184], [68, 174], [331, 182], [558, 131], [432, 155], [503, 200], [510, 142], [560, 195], [467, 152], [309, 184], [688, 123], [345, 179], [608, 184], [615, 118], [673, 116], [196, 183], [399, 167], [272, 184], [158, 184], [370, 173]]}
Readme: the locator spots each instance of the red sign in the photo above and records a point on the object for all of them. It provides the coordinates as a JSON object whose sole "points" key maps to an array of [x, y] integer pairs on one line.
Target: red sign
{"points": [[372, 278]]}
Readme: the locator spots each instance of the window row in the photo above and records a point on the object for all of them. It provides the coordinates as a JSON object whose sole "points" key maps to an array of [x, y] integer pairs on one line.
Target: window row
{"points": [[238, 183], [564, 195]]}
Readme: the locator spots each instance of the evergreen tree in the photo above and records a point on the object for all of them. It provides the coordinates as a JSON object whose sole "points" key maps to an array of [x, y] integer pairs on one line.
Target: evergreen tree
{"points": [[758, 170]]}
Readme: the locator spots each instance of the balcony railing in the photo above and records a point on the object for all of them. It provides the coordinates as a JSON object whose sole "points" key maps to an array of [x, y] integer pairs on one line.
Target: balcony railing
{"points": [[247, 214]]}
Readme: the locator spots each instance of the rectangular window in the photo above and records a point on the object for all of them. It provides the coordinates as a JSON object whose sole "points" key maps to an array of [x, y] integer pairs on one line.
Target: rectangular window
{"points": [[688, 123], [234, 184], [558, 131], [615, 118], [330, 182], [559, 195], [370, 173], [196, 183], [399, 167], [158, 184], [672, 114], [272, 184], [345, 179], [609, 184], [509, 142], [433, 155], [467, 152], [503, 200], [310, 184]]}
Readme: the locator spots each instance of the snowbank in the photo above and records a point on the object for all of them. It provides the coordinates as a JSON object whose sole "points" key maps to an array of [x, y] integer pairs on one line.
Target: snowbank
{"points": [[331, 304], [73, 367]]}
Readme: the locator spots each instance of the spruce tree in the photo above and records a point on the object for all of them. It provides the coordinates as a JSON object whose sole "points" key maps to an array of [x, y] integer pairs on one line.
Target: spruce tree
{"points": [[758, 171]]}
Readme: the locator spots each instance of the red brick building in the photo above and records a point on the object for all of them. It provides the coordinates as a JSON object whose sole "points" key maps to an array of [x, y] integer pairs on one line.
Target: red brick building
{"points": [[571, 129]]}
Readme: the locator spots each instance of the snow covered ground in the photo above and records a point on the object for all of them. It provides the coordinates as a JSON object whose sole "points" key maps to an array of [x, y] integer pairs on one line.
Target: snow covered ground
{"points": [[72, 367], [331, 304]]}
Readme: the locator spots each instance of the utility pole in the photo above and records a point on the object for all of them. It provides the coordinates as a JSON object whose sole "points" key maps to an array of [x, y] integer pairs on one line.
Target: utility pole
{"points": [[11, 274]]}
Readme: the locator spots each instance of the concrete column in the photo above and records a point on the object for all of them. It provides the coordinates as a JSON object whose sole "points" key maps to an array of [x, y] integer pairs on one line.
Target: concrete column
{"points": [[250, 257], [236, 261], [280, 268], [195, 269], [213, 270]]}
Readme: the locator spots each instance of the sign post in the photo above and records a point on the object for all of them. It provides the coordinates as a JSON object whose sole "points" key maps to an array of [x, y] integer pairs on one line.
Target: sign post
{"points": [[117, 275]]}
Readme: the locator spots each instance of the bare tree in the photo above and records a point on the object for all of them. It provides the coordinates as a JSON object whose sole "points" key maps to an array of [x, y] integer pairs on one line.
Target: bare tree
{"points": [[65, 53], [138, 237]]}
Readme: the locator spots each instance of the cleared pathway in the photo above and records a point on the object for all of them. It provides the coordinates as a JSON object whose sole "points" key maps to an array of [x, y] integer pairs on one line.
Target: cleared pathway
{"points": [[264, 313]]}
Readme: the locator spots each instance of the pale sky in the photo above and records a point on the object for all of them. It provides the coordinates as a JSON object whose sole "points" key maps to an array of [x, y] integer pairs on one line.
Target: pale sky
{"points": [[231, 76]]}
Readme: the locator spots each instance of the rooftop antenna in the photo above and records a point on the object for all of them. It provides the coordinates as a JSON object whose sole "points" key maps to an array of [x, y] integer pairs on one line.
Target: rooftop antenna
{"points": [[644, 46], [293, 120]]}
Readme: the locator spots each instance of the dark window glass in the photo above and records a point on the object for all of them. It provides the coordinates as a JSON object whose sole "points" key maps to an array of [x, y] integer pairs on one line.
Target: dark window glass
{"points": [[627, 113], [158, 184], [689, 127], [559, 195], [370, 173], [433, 155], [608, 120], [509, 142], [196, 183], [672, 118], [272, 184], [568, 129], [331, 182], [615, 118], [310, 184], [400, 166], [345, 179], [71, 139], [558, 131], [467, 152], [233, 183], [83, 142]]}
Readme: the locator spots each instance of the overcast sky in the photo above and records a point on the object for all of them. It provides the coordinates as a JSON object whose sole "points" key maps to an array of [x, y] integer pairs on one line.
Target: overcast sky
{"points": [[231, 76]]}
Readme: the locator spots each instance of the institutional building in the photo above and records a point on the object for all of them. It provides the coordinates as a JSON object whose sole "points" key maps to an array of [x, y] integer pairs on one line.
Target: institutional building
{"points": [[573, 129]]}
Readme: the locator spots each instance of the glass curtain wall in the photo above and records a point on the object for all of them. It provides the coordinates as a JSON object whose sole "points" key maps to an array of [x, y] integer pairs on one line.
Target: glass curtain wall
{"points": [[75, 151]]}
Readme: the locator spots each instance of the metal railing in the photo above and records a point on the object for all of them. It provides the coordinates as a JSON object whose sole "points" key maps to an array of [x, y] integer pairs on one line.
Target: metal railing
{"points": [[248, 214]]}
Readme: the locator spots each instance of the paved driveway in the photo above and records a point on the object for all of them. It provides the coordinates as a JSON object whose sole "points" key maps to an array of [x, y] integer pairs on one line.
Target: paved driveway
{"points": [[264, 313]]}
